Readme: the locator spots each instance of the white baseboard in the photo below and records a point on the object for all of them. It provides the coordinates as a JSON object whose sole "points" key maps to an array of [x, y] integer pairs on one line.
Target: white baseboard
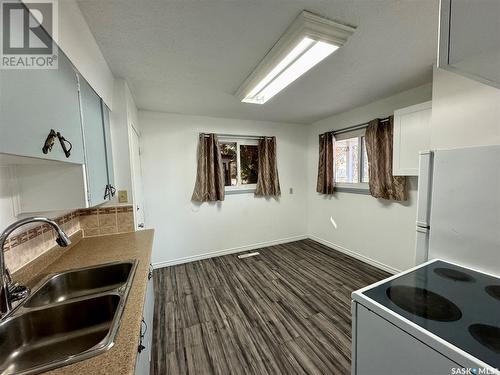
{"points": [[356, 255], [233, 250], [259, 245]]}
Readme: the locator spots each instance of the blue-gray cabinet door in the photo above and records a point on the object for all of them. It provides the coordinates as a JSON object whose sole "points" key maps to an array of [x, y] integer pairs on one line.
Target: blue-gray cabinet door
{"points": [[95, 144], [109, 151], [32, 102]]}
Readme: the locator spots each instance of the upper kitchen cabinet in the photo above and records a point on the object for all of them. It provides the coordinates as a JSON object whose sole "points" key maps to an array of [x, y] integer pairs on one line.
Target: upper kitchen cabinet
{"points": [[468, 39], [412, 127], [95, 123], [109, 153], [35, 101], [45, 185]]}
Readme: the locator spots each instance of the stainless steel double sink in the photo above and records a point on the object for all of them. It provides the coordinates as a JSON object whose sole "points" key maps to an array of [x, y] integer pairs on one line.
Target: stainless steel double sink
{"points": [[71, 316]]}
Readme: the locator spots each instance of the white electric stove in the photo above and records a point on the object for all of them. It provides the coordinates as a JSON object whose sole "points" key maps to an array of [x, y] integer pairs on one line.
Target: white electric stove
{"points": [[438, 318], [441, 317]]}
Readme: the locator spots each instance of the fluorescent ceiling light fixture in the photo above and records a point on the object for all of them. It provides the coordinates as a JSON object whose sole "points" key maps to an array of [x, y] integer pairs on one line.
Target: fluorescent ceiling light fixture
{"points": [[308, 41], [316, 53]]}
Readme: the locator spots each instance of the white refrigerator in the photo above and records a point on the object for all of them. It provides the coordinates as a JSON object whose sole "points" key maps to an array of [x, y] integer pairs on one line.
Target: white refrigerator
{"points": [[458, 207]]}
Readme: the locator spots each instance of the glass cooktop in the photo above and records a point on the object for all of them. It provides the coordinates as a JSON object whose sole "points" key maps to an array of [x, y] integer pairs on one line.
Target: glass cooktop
{"points": [[459, 305]]}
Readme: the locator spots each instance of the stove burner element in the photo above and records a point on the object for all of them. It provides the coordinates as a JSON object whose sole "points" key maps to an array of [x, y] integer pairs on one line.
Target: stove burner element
{"points": [[487, 335], [454, 274], [424, 303], [494, 291]]}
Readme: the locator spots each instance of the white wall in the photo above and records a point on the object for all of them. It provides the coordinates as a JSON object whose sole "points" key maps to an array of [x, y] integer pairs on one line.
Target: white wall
{"points": [[464, 112], [375, 230], [184, 229], [6, 203], [7, 194]]}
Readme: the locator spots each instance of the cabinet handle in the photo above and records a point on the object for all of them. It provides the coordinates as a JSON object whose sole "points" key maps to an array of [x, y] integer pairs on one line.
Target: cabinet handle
{"points": [[63, 141], [141, 347], [49, 142], [109, 192]]}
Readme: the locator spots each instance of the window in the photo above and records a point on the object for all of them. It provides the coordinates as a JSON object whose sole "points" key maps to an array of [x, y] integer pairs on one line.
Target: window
{"points": [[351, 161], [240, 159]]}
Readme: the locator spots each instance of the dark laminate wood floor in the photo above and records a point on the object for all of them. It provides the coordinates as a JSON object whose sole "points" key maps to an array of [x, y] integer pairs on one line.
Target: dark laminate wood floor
{"points": [[285, 311]]}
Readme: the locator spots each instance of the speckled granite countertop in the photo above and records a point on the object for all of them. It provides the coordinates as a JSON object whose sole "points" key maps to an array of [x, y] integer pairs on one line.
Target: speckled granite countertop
{"points": [[120, 359]]}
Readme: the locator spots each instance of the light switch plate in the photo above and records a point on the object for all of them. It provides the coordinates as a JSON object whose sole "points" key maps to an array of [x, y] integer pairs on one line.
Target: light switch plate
{"points": [[122, 196]]}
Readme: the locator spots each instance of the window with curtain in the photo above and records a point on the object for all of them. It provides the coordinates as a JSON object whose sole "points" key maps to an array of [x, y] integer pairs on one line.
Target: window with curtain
{"points": [[350, 160], [235, 164], [360, 160], [240, 163]]}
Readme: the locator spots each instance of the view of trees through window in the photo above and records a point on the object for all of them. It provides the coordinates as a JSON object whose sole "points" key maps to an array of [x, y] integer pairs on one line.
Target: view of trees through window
{"points": [[349, 168], [247, 160], [365, 176], [249, 164], [346, 160], [229, 163]]}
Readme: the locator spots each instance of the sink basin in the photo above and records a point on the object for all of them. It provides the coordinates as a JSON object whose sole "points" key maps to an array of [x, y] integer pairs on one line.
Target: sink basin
{"points": [[72, 316], [81, 282], [35, 339]]}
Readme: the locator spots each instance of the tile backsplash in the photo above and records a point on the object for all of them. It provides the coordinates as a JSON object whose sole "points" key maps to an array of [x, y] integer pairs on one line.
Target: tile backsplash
{"points": [[24, 246], [106, 220]]}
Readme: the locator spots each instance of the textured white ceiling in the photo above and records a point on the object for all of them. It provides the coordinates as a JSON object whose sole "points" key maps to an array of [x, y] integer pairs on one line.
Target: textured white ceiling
{"points": [[189, 56]]}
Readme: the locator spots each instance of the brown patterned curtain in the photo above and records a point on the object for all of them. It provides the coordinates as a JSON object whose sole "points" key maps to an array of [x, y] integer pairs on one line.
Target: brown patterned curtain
{"points": [[210, 177], [268, 183], [326, 183], [378, 140]]}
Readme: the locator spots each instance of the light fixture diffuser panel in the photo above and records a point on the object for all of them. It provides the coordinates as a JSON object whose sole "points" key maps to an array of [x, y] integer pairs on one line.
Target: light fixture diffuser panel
{"points": [[306, 42]]}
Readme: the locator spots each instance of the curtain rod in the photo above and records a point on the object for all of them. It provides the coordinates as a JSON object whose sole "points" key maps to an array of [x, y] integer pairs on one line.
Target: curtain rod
{"points": [[237, 136], [356, 127]]}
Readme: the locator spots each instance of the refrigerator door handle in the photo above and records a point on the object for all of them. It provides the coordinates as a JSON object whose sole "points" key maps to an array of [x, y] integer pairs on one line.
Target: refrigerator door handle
{"points": [[424, 187], [422, 245], [421, 224], [423, 205]]}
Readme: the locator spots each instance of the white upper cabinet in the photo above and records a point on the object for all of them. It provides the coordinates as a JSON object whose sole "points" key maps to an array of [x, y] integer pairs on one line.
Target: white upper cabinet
{"points": [[469, 42], [109, 152], [74, 169], [45, 185], [95, 145], [32, 102], [411, 135]]}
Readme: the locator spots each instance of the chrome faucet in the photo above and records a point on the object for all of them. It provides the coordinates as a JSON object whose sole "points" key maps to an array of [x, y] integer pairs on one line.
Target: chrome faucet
{"points": [[9, 290]]}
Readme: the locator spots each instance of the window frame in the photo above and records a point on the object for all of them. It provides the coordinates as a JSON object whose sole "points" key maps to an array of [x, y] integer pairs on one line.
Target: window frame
{"points": [[239, 187], [359, 187]]}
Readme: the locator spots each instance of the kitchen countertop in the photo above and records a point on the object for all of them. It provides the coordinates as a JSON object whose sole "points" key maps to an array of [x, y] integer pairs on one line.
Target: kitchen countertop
{"points": [[120, 359]]}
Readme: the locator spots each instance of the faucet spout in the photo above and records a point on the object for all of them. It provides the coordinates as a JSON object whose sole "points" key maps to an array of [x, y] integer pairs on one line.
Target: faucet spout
{"points": [[62, 239], [10, 291]]}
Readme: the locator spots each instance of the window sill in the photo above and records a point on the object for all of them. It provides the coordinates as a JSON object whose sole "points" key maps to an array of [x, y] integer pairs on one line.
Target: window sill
{"points": [[353, 189], [240, 191]]}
